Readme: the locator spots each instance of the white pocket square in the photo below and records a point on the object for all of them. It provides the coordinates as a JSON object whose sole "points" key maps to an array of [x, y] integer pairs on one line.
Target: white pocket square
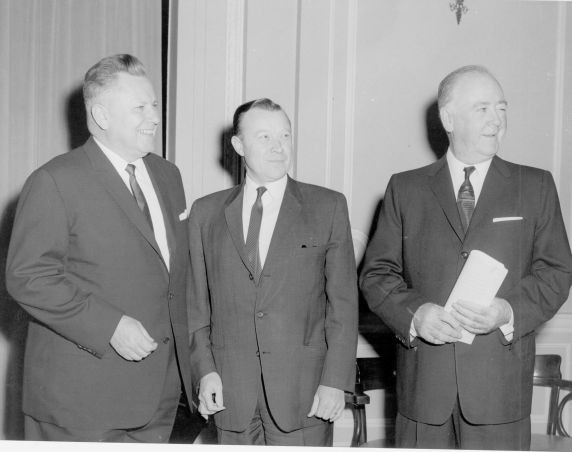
{"points": [[499, 219], [184, 215]]}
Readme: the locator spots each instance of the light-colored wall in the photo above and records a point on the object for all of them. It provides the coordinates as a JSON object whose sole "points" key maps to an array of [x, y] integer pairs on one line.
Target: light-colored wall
{"points": [[358, 79]]}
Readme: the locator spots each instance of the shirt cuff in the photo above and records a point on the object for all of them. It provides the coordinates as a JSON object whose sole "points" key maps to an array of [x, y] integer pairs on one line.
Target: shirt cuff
{"points": [[508, 328], [413, 332]]}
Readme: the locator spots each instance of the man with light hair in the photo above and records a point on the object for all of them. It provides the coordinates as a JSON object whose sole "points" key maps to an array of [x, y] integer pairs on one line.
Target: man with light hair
{"points": [[451, 394], [99, 259]]}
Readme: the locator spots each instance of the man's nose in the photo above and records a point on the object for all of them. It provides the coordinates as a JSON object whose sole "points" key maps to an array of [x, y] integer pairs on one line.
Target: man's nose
{"points": [[495, 117], [276, 145], [153, 115]]}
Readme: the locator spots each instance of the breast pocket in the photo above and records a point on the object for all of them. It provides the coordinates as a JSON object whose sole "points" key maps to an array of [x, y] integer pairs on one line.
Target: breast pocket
{"points": [[309, 251], [508, 241]]}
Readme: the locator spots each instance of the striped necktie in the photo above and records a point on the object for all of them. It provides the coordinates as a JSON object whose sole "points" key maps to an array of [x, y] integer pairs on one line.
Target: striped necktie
{"points": [[466, 199]]}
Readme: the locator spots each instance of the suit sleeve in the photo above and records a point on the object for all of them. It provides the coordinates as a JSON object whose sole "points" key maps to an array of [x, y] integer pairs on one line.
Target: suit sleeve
{"points": [[381, 280], [342, 308], [539, 295], [37, 273], [202, 360]]}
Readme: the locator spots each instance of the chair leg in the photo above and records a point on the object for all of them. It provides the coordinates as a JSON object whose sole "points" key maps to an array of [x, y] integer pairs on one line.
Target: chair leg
{"points": [[360, 432], [552, 411]]}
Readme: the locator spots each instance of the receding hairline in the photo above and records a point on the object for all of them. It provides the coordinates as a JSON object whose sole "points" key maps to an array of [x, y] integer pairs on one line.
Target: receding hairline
{"points": [[263, 104], [448, 84]]}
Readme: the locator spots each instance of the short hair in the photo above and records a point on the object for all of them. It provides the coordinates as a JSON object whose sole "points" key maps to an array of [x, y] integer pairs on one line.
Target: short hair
{"points": [[448, 83], [263, 104], [103, 73]]}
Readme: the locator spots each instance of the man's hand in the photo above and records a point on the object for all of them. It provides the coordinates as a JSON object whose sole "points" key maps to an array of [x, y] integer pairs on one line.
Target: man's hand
{"points": [[479, 319], [436, 325], [131, 340], [328, 403], [210, 394]]}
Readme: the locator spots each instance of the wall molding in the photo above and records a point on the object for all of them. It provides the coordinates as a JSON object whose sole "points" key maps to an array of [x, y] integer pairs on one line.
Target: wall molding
{"points": [[559, 85], [330, 94], [351, 62], [234, 74]]}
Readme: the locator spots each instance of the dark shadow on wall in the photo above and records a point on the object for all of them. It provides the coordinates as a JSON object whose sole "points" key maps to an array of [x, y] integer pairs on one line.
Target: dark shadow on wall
{"points": [[76, 118], [229, 160], [436, 135], [13, 328]]}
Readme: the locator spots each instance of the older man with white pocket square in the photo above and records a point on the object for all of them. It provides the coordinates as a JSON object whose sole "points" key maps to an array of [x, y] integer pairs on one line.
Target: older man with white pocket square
{"points": [[452, 394]]}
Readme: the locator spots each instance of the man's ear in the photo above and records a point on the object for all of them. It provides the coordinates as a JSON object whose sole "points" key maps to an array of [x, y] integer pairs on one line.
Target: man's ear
{"points": [[237, 145], [100, 115], [446, 119]]}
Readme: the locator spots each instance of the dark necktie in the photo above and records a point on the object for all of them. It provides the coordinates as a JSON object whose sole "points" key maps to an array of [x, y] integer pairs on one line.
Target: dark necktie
{"points": [[252, 237], [138, 193], [466, 198]]}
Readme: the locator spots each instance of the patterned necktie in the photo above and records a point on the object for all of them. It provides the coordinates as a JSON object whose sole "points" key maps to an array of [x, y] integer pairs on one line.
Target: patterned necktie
{"points": [[252, 237], [466, 198], [138, 193]]}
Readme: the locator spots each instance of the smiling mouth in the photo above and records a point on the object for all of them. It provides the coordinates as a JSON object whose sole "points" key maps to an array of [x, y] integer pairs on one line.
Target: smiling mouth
{"points": [[147, 132]]}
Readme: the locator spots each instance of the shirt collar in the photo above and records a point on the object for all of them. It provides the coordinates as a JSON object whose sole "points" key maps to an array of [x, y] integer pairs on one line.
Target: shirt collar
{"points": [[118, 162], [275, 189], [456, 166]]}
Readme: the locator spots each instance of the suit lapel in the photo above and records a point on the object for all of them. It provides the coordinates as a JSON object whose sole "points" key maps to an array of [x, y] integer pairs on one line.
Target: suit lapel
{"points": [[288, 216], [442, 187], [233, 216], [115, 186], [158, 179], [495, 186]]}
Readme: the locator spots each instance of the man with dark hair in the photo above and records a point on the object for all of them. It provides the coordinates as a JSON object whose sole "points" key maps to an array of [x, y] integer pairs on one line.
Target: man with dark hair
{"points": [[99, 258], [451, 393], [273, 295]]}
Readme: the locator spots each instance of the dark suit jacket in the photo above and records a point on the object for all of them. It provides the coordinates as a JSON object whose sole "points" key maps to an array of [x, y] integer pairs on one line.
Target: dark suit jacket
{"points": [[300, 321], [415, 256], [82, 254]]}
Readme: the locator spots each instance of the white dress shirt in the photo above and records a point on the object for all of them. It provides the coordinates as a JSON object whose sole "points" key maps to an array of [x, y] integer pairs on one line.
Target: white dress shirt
{"points": [[271, 202], [146, 185]]}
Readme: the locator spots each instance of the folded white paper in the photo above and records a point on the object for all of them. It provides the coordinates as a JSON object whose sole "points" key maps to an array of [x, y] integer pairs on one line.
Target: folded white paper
{"points": [[478, 283]]}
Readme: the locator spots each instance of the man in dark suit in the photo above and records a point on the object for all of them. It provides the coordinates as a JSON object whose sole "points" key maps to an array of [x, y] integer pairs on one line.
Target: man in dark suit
{"points": [[99, 258], [273, 295], [451, 394]]}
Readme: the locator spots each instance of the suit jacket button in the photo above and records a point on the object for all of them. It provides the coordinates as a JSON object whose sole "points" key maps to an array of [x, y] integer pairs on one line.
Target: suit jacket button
{"points": [[171, 295], [464, 254], [260, 314], [166, 340], [257, 353], [250, 276]]}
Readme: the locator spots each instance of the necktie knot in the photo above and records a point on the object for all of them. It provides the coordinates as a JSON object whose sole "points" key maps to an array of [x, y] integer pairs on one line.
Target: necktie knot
{"points": [[259, 192], [468, 171], [130, 168]]}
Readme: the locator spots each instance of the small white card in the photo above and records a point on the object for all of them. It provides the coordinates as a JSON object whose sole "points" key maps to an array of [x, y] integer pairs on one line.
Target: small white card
{"points": [[500, 219], [184, 214]]}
